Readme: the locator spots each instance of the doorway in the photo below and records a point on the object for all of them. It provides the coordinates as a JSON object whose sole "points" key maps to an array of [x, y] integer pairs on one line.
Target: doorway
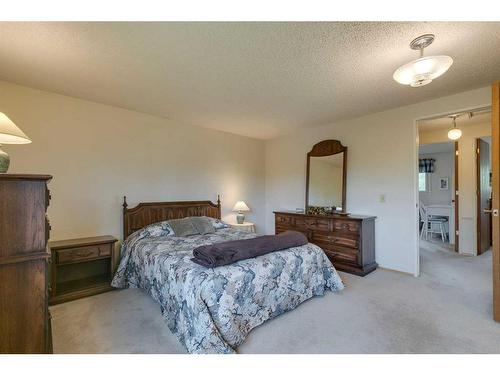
{"points": [[437, 208], [455, 182], [495, 187]]}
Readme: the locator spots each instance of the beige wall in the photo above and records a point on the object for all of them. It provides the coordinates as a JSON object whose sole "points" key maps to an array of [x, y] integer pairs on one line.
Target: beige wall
{"points": [[381, 161], [98, 153]]}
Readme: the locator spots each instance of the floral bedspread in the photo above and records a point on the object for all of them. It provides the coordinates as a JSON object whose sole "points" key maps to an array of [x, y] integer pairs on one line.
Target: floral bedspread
{"points": [[211, 310]]}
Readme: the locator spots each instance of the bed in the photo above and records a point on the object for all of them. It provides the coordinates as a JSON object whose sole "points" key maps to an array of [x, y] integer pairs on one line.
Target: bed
{"points": [[211, 310]]}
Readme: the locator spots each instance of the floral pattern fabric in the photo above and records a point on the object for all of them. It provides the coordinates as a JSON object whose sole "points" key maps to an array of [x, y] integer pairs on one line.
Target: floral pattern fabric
{"points": [[211, 310]]}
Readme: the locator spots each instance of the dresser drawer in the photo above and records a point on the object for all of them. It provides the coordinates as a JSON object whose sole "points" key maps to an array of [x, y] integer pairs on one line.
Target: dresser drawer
{"points": [[83, 253], [317, 223], [334, 239], [299, 222], [346, 227], [283, 220], [341, 255], [282, 228]]}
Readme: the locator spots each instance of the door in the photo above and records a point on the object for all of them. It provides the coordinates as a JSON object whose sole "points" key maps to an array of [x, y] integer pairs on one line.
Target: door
{"points": [[455, 201], [495, 143], [483, 196]]}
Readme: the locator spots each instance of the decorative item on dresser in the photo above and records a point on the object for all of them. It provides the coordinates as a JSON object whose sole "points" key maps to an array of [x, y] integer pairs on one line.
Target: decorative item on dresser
{"points": [[24, 232], [348, 241], [81, 267]]}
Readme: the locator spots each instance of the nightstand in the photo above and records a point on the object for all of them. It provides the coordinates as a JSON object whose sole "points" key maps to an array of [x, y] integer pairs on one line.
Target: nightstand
{"points": [[81, 267], [246, 226]]}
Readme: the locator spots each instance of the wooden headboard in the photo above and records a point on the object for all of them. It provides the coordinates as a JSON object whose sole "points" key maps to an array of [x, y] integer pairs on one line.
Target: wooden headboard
{"points": [[151, 212]]}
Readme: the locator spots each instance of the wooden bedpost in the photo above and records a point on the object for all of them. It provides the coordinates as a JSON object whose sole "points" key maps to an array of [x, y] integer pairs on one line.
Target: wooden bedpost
{"points": [[125, 221], [218, 206]]}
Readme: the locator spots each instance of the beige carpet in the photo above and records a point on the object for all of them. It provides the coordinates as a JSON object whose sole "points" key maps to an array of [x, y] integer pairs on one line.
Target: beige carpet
{"points": [[446, 310]]}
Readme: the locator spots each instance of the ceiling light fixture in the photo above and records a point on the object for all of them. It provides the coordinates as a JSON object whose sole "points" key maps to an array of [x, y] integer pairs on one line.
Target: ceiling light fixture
{"points": [[454, 133], [422, 71]]}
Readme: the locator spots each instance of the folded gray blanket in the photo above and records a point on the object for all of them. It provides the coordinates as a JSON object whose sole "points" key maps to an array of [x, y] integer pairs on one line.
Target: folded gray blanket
{"points": [[223, 253]]}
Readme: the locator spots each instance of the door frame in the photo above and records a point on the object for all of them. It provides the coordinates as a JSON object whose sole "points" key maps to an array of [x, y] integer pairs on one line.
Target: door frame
{"points": [[478, 196], [415, 177], [495, 188], [456, 153]]}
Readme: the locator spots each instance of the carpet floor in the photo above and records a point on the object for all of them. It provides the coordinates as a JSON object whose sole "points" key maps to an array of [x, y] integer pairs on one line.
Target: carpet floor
{"points": [[448, 309]]}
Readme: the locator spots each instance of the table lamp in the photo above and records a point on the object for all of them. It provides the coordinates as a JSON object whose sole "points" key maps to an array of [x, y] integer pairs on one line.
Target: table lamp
{"points": [[240, 207], [9, 134]]}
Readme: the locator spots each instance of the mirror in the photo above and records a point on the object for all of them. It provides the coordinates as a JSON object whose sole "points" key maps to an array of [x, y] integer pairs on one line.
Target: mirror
{"points": [[326, 178]]}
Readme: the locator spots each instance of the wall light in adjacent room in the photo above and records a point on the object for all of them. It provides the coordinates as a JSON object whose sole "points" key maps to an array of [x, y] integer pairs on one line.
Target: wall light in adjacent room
{"points": [[422, 71], [454, 133], [9, 134]]}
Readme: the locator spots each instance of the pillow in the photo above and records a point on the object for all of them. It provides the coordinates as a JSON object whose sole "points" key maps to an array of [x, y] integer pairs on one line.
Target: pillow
{"points": [[183, 227], [202, 224], [159, 229], [217, 223]]}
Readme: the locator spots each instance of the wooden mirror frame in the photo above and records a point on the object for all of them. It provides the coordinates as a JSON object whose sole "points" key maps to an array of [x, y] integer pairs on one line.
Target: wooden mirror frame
{"points": [[327, 148]]}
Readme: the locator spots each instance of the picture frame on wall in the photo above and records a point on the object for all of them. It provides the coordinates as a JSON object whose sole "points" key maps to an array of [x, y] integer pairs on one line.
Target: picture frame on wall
{"points": [[444, 183]]}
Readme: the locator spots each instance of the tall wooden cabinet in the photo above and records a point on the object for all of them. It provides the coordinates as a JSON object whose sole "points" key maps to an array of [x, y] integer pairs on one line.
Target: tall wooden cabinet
{"points": [[24, 232]]}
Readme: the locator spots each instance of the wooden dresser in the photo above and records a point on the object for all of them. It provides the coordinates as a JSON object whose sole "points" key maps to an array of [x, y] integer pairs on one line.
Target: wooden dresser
{"points": [[348, 241], [24, 232]]}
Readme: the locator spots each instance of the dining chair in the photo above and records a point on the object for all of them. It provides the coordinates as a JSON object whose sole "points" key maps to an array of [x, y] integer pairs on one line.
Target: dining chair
{"points": [[432, 224]]}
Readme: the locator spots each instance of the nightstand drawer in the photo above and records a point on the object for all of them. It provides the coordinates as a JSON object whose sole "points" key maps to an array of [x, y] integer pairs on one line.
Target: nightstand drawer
{"points": [[80, 254]]}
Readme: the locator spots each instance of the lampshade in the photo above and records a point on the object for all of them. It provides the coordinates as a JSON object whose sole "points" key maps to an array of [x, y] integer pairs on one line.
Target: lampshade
{"points": [[422, 71], [240, 206], [10, 133], [454, 134]]}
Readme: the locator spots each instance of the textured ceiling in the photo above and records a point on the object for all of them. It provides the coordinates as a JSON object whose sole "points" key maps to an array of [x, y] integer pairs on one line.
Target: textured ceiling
{"points": [[256, 79]]}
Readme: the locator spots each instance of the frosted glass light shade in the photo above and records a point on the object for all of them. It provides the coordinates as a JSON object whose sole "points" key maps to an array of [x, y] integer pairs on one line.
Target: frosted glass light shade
{"points": [[454, 134], [240, 206], [422, 71], [10, 133]]}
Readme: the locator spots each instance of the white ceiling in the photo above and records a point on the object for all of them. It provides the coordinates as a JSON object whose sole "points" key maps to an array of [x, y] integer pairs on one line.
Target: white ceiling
{"points": [[256, 79]]}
